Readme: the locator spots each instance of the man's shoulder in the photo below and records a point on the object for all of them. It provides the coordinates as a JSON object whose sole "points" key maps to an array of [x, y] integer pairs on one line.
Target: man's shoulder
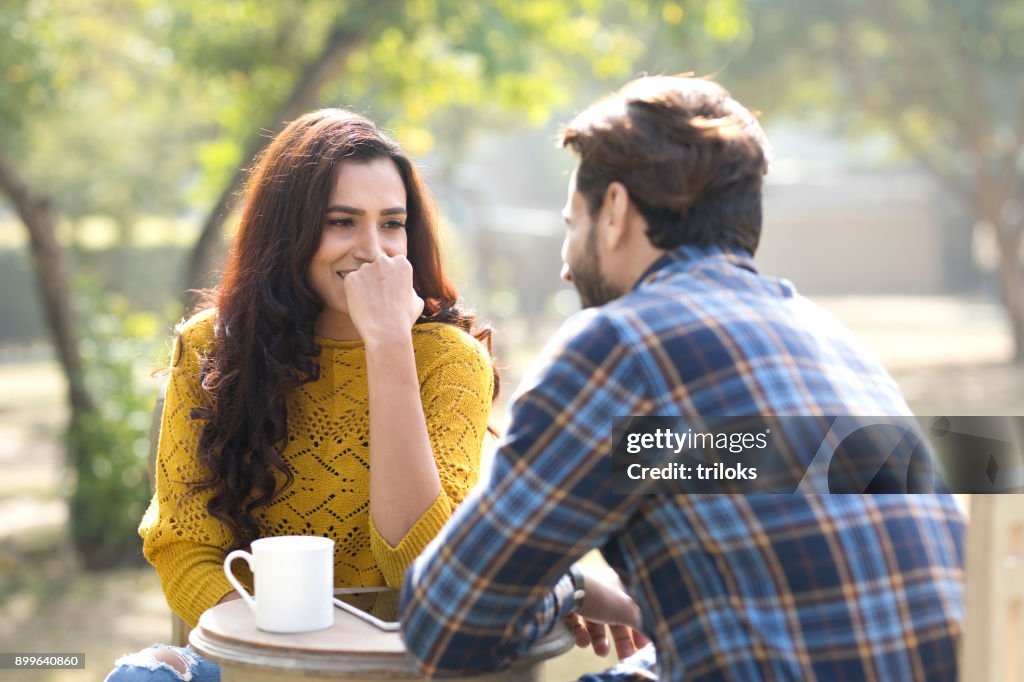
{"points": [[717, 295], [590, 327], [629, 323], [583, 342], [665, 306]]}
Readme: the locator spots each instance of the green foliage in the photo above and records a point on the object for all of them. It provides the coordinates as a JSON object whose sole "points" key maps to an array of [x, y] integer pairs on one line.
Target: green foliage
{"points": [[431, 70], [124, 108], [92, 108], [26, 72], [110, 445], [129, 107]]}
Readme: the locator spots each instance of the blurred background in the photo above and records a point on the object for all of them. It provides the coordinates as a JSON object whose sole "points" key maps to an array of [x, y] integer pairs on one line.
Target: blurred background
{"points": [[896, 200]]}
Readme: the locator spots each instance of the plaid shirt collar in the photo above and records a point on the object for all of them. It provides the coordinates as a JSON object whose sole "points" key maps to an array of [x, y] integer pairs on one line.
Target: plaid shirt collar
{"points": [[684, 257]]}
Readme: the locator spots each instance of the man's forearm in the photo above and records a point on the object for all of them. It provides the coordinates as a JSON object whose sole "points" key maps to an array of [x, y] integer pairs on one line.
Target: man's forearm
{"points": [[479, 640]]}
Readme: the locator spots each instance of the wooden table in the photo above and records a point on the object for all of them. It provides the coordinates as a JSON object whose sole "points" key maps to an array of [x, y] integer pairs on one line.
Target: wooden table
{"points": [[350, 650]]}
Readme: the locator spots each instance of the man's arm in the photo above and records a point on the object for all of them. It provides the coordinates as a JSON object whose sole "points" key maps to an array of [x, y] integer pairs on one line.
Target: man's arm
{"points": [[493, 582]]}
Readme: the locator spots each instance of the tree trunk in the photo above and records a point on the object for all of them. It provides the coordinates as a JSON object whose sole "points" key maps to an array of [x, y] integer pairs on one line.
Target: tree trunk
{"points": [[1012, 285], [53, 281], [341, 43]]}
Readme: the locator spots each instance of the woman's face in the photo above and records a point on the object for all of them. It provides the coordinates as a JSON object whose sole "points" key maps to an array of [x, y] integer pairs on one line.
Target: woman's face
{"points": [[365, 217]]}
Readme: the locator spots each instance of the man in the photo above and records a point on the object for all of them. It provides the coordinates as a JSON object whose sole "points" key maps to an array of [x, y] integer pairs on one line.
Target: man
{"points": [[663, 217]]}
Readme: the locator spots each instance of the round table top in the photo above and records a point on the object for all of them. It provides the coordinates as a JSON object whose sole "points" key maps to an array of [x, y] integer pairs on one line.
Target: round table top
{"points": [[233, 622], [227, 633]]}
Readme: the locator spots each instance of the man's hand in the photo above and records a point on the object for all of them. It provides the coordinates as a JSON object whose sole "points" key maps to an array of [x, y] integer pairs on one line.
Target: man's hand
{"points": [[587, 632], [606, 602]]}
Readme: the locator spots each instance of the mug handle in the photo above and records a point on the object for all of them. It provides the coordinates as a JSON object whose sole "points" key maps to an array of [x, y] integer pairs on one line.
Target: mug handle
{"points": [[239, 554]]}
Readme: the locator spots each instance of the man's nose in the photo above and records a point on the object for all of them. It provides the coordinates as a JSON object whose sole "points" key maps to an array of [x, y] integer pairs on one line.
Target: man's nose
{"points": [[565, 274]]}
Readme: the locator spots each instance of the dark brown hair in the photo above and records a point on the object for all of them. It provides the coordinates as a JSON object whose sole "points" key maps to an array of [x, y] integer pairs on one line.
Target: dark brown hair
{"points": [[691, 157], [264, 346]]}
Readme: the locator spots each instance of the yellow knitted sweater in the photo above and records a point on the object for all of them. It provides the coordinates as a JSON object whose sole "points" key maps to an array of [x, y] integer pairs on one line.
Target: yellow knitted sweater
{"points": [[328, 453]]}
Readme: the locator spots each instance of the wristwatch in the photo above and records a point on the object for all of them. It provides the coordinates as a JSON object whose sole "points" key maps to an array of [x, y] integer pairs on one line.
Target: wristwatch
{"points": [[578, 592]]}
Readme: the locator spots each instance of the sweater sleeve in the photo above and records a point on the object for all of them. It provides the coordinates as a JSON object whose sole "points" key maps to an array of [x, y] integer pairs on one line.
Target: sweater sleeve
{"points": [[456, 389], [185, 545]]}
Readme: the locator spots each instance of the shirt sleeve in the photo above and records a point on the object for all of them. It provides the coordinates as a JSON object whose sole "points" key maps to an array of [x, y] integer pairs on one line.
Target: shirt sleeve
{"points": [[185, 545], [456, 392], [493, 582]]}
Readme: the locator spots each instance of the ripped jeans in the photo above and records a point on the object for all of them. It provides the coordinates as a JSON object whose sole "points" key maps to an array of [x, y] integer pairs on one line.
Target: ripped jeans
{"points": [[142, 665]]}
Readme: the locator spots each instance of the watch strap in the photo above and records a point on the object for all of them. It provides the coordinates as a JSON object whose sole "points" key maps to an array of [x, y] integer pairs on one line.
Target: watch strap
{"points": [[578, 587]]}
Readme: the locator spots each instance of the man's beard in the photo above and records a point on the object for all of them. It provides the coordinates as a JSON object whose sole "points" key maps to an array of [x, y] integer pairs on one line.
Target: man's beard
{"points": [[593, 288]]}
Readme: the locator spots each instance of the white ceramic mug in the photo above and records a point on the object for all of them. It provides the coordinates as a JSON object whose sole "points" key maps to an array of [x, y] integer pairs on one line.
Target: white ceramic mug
{"points": [[293, 576]]}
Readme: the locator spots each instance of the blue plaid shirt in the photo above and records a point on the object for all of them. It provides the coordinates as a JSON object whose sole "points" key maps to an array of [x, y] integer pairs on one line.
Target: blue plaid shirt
{"points": [[731, 587]]}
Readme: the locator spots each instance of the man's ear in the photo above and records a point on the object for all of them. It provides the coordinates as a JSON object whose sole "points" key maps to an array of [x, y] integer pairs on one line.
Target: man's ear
{"points": [[614, 215]]}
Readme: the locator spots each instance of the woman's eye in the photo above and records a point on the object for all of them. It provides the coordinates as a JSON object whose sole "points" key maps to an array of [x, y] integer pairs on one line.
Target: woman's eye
{"points": [[341, 222], [394, 225]]}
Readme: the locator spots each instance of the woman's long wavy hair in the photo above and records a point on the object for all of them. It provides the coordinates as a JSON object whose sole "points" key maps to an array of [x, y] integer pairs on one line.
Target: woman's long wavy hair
{"points": [[264, 346]]}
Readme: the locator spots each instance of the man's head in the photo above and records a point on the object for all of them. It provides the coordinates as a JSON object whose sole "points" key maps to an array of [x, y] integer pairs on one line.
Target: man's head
{"points": [[672, 159]]}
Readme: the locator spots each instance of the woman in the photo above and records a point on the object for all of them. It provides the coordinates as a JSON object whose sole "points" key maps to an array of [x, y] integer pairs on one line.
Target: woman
{"points": [[331, 388]]}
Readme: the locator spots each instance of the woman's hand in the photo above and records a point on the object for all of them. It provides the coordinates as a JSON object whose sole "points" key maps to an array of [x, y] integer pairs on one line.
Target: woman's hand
{"points": [[380, 298]]}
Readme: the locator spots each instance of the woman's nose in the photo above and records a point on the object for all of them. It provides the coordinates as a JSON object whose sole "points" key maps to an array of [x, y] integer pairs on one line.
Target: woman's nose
{"points": [[367, 247]]}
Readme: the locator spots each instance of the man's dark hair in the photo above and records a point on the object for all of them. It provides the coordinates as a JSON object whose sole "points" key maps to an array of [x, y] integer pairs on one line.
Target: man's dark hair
{"points": [[691, 157]]}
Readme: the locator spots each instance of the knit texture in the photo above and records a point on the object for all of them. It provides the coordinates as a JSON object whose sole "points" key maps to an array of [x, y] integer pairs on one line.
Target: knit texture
{"points": [[328, 453]]}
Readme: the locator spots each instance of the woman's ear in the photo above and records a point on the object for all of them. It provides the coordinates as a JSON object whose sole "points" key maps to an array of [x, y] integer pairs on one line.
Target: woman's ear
{"points": [[614, 214]]}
